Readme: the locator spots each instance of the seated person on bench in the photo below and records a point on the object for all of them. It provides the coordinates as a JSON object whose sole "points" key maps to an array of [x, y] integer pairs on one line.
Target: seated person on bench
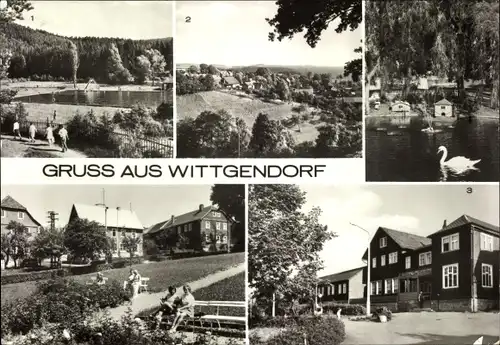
{"points": [[168, 304], [186, 307]]}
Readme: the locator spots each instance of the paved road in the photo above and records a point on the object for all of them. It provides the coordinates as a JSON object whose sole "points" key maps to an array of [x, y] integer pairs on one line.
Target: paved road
{"points": [[15, 148]]}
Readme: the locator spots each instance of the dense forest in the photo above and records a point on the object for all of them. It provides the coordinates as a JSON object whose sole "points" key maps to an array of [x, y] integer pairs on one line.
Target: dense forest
{"points": [[39, 55]]}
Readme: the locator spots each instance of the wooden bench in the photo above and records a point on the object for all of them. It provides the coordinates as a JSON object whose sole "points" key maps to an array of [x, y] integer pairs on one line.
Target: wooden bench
{"points": [[211, 318], [144, 284]]}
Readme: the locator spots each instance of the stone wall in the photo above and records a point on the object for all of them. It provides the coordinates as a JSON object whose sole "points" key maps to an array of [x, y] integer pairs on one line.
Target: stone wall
{"points": [[487, 304], [451, 305]]}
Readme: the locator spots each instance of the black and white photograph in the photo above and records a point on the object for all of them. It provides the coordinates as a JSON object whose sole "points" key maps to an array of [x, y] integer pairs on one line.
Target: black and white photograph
{"points": [[107, 265], [264, 79], [431, 91], [430, 266], [85, 79]]}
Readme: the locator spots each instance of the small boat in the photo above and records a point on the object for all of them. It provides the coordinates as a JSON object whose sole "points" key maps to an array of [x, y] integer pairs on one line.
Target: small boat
{"points": [[394, 133], [381, 129]]}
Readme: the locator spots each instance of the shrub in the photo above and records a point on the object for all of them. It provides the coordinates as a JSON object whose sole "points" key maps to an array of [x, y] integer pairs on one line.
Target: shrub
{"points": [[32, 276], [383, 311], [324, 330]]}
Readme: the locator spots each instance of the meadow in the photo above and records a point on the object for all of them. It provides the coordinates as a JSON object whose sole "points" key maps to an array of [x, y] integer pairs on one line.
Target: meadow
{"points": [[244, 107], [161, 274]]}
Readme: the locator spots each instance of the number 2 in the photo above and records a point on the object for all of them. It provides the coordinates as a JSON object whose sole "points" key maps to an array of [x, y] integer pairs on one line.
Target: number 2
{"points": [[188, 19]]}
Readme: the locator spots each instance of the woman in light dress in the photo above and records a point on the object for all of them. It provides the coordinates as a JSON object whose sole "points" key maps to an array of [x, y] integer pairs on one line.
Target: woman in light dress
{"points": [[134, 281], [50, 135]]}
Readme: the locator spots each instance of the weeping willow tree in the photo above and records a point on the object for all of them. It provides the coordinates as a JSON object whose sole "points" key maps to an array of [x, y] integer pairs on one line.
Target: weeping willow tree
{"points": [[456, 40]]}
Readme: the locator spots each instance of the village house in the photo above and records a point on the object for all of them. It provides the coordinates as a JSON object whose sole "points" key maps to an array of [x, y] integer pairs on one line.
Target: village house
{"points": [[400, 106], [230, 82], [443, 108], [204, 229], [455, 268], [342, 287], [13, 211], [118, 223]]}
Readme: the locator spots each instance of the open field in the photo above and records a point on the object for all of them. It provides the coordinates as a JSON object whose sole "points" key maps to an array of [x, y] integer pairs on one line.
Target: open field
{"points": [[28, 88], [162, 274], [244, 107]]}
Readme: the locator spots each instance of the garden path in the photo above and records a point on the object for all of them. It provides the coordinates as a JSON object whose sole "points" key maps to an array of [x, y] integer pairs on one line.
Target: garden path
{"points": [[147, 300], [39, 149]]}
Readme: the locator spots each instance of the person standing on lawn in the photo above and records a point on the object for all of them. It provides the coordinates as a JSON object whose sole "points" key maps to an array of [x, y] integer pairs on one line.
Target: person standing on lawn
{"points": [[50, 135], [186, 308], [134, 282], [17, 132], [32, 131], [63, 134]]}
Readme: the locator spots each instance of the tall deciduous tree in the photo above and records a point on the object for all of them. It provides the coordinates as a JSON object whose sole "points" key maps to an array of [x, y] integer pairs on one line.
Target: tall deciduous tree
{"points": [[143, 71], [49, 243], [264, 136], [117, 73], [158, 63], [131, 245], [295, 16], [231, 199], [86, 239], [284, 241], [15, 242]]}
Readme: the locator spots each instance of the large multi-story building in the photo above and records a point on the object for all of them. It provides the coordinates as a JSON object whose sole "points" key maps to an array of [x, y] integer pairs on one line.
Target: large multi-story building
{"points": [[206, 228], [117, 222], [454, 268]]}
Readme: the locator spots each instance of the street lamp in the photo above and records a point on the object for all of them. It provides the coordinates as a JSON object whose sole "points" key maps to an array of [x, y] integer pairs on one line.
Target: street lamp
{"points": [[368, 290]]}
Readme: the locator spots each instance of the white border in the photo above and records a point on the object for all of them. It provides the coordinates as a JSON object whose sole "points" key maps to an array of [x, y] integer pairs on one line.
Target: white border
{"points": [[174, 80], [363, 90]]}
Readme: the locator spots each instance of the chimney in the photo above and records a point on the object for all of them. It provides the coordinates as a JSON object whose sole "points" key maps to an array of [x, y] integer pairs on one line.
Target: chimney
{"points": [[444, 224], [172, 219], [201, 207]]}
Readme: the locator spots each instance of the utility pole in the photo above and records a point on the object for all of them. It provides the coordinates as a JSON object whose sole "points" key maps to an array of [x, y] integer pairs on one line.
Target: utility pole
{"points": [[52, 219], [368, 265]]}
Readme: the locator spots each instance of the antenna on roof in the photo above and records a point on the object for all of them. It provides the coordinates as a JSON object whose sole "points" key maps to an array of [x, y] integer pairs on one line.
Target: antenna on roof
{"points": [[103, 203]]}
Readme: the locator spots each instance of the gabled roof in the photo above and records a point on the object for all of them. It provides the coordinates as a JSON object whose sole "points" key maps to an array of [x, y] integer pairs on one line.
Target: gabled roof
{"points": [[114, 218], [231, 80], [465, 220], [183, 219], [346, 275], [444, 101], [10, 203], [405, 240]]}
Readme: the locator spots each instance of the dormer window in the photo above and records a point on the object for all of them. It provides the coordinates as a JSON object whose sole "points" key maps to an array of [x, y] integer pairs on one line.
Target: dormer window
{"points": [[20, 215], [383, 242], [215, 214]]}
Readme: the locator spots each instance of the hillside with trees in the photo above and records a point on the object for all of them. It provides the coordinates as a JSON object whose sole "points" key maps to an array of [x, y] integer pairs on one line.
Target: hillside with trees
{"points": [[40, 55]]}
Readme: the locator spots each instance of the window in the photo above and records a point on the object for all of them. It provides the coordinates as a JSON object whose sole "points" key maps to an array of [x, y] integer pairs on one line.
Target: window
{"points": [[487, 275], [179, 229], [450, 276], [379, 287], [20, 215], [322, 290], [114, 233], [217, 238], [328, 290], [4, 214], [224, 239], [224, 226], [395, 285], [443, 107], [344, 288], [217, 225], [185, 227], [449, 243], [382, 260], [207, 237], [373, 288], [383, 242], [215, 214], [339, 289], [486, 242], [207, 225], [190, 226], [374, 262], [388, 286], [408, 262], [393, 257], [424, 259], [409, 285]]}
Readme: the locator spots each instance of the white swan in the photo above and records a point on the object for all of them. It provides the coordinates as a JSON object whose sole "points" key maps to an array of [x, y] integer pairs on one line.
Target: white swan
{"points": [[458, 163]]}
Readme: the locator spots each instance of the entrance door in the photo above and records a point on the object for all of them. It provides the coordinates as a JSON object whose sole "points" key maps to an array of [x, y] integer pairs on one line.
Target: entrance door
{"points": [[426, 288]]}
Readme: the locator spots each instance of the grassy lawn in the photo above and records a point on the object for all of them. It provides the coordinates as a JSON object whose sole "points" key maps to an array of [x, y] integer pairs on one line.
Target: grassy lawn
{"points": [[190, 106], [161, 274], [426, 328]]}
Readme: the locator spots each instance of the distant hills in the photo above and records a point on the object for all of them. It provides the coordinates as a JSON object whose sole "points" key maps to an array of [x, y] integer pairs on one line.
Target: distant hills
{"points": [[302, 69]]}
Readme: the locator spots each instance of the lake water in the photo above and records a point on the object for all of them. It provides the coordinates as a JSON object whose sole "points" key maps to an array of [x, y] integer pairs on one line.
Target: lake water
{"points": [[411, 155], [121, 99]]}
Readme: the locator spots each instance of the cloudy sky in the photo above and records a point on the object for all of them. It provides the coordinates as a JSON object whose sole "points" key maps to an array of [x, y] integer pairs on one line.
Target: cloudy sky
{"points": [[125, 19], [152, 204], [420, 209], [235, 33]]}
